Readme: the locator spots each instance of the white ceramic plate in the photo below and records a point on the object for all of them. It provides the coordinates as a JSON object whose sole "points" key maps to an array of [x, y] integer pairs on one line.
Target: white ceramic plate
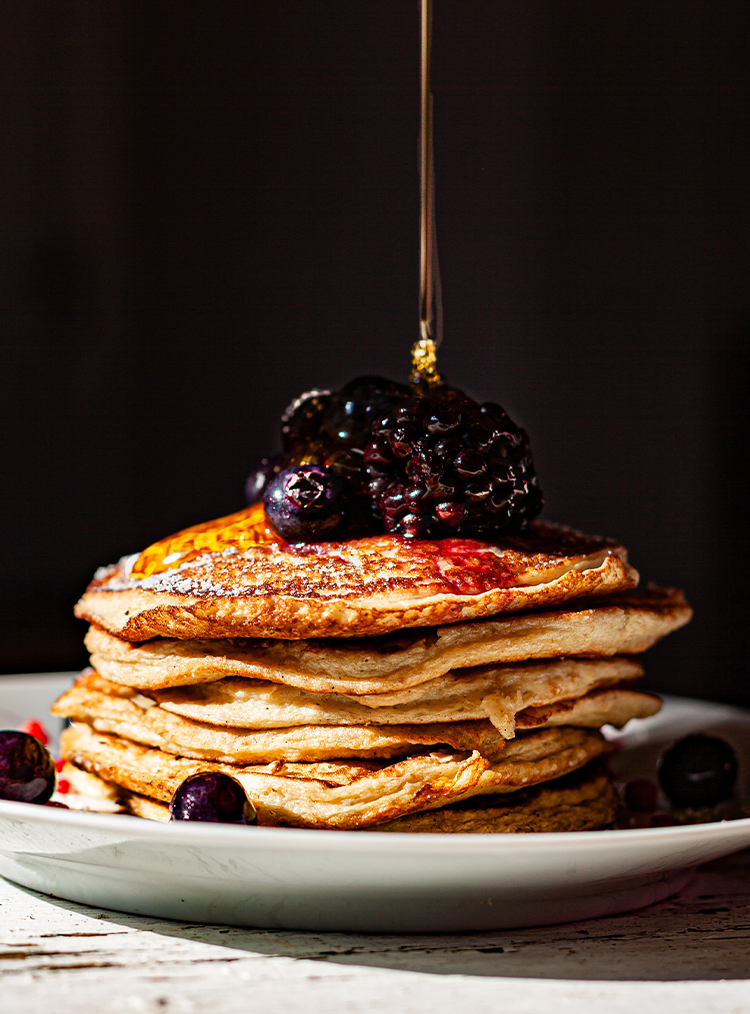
{"points": [[331, 880]]}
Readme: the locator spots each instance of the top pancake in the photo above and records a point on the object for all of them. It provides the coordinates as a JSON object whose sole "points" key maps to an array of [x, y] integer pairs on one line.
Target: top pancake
{"points": [[343, 589]]}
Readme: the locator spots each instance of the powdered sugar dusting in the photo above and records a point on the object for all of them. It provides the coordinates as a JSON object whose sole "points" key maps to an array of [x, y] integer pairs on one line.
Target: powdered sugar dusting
{"points": [[362, 567], [332, 570]]}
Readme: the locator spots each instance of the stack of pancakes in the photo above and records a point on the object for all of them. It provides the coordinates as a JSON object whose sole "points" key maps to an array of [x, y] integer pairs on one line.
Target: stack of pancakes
{"points": [[377, 683]]}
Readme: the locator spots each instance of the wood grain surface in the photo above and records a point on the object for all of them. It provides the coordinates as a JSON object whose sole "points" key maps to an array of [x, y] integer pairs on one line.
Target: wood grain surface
{"points": [[691, 952]]}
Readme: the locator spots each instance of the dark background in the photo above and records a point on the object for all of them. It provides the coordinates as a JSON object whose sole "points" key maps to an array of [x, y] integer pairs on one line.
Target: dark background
{"points": [[210, 207]]}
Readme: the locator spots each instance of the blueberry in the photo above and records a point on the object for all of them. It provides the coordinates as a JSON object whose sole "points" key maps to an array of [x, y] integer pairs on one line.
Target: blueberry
{"points": [[301, 421], [698, 770], [306, 503], [27, 771], [259, 479], [214, 797], [352, 411]]}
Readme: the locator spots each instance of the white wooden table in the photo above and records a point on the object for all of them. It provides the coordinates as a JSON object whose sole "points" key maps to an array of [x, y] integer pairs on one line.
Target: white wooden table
{"points": [[688, 954]]}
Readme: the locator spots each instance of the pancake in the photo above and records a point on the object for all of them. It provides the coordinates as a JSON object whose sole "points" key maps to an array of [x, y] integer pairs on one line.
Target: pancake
{"points": [[343, 794], [497, 693], [584, 801], [614, 625], [231, 578], [142, 806], [86, 791], [106, 708]]}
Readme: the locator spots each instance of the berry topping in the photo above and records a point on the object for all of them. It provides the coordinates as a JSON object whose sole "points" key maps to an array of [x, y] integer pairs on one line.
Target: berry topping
{"points": [[355, 407], [455, 468], [214, 797], [27, 771], [306, 503], [257, 481], [301, 420], [424, 462], [698, 770]]}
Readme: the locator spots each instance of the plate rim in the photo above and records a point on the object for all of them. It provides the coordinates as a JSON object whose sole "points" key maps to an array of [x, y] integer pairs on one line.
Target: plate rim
{"points": [[202, 834]]}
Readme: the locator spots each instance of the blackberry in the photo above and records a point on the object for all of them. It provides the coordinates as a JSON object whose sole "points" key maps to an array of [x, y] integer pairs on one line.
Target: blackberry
{"points": [[440, 464]]}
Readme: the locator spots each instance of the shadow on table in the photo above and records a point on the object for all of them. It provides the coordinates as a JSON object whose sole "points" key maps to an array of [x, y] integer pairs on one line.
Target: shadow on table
{"points": [[701, 934]]}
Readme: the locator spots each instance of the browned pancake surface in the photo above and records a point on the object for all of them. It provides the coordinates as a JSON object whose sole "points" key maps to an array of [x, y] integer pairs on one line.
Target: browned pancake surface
{"points": [[585, 801], [355, 588]]}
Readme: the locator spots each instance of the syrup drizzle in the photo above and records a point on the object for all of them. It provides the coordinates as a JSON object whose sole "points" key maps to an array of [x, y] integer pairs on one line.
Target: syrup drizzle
{"points": [[235, 531], [466, 566]]}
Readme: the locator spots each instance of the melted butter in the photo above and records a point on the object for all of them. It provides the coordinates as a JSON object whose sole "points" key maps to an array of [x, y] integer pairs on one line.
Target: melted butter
{"points": [[236, 531]]}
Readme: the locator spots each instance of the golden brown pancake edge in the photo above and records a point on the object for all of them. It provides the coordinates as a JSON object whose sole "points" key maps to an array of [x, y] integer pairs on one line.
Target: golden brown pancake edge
{"points": [[361, 588]]}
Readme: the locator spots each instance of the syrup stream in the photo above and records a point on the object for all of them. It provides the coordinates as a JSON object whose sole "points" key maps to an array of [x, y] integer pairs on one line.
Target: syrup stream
{"points": [[424, 352]]}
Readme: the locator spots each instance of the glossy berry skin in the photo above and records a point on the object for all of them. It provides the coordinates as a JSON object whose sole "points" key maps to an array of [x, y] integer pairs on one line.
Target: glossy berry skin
{"points": [[27, 771], [698, 770], [352, 410], [257, 481], [213, 797], [306, 503], [301, 421], [441, 465]]}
